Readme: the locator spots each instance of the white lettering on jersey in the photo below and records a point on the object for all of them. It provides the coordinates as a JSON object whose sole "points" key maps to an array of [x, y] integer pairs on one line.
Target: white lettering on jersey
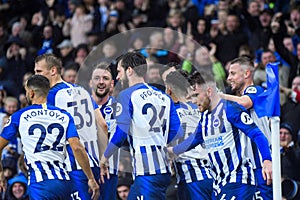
{"points": [[148, 93], [246, 119], [38, 113], [251, 90]]}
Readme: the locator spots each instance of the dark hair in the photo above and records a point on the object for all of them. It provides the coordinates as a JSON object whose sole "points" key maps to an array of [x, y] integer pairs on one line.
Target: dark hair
{"points": [[51, 61], [196, 78], [39, 84], [72, 66], [136, 61], [83, 46], [290, 128], [168, 66], [178, 82]]}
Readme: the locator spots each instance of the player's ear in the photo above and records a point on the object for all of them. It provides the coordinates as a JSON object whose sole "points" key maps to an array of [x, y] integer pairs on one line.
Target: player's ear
{"points": [[90, 83], [31, 93], [209, 91], [53, 70], [112, 84], [129, 70], [168, 90], [247, 73]]}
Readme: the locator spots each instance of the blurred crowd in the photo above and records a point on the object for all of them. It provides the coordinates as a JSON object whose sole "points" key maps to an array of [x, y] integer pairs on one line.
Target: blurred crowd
{"points": [[215, 32]]}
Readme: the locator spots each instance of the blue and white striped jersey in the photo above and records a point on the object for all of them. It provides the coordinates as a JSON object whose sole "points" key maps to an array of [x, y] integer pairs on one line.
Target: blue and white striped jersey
{"points": [[108, 111], [78, 102], [147, 118], [262, 123], [193, 165], [224, 131], [44, 130]]}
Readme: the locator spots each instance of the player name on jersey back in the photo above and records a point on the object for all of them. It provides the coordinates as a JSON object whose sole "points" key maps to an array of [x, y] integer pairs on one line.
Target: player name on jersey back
{"points": [[49, 113]]}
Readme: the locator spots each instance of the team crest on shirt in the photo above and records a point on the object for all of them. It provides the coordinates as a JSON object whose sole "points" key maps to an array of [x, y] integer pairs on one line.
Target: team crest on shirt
{"points": [[216, 122], [246, 119], [8, 121], [108, 110], [251, 90], [119, 109]]}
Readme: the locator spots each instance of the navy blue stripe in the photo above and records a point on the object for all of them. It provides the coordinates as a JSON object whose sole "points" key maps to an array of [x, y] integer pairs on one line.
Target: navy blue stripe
{"points": [[52, 170], [206, 127], [238, 148], [229, 162], [165, 158], [42, 170], [145, 159], [191, 170], [202, 167], [91, 157], [31, 173], [180, 172], [93, 151], [219, 161], [61, 171], [155, 159], [248, 173], [256, 155]]}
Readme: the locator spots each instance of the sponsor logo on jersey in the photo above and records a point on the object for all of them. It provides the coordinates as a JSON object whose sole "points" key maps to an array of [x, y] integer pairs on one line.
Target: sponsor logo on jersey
{"points": [[246, 119], [251, 90]]}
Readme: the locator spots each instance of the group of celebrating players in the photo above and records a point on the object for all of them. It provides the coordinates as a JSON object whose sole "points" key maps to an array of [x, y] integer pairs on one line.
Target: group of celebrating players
{"points": [[71, 138]]}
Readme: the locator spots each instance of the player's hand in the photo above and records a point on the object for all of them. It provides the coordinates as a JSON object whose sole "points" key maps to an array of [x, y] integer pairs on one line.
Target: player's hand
{"points": [[103, 169], [267, 171], [172, 156], [94, 189], [2, 182]]}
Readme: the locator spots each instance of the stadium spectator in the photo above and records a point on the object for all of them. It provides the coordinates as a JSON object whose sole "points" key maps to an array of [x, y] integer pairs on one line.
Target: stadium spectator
{"points": [[17, 189], [78, 26], [14, 64], [155, 48], [66, 51], [290, 111], [232, 39], [69, 72], [290, 152], [123, 189]]}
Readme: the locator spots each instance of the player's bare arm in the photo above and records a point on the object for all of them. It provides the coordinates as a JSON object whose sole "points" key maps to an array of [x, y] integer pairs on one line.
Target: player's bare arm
{"points": [[81, 157]]}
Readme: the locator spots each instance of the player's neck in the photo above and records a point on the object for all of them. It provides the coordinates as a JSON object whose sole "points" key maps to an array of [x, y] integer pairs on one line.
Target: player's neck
{"points": [[215, 99], [247, 84], [177, 99], [55, 80], [135, 80], [39, 100]]}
